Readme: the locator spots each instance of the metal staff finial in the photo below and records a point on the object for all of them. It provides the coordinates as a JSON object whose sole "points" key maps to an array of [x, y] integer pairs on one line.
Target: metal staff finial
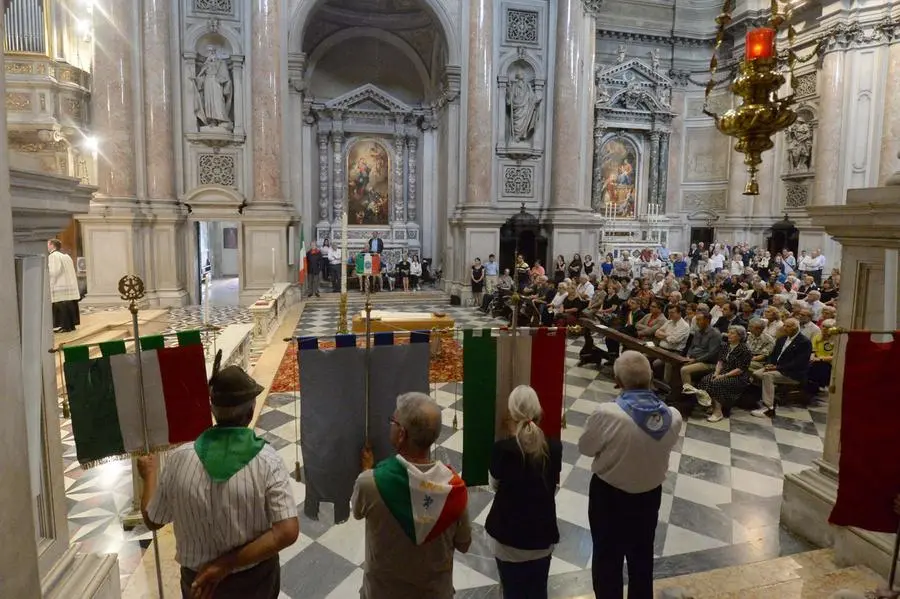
{"points": [[132, 290]]}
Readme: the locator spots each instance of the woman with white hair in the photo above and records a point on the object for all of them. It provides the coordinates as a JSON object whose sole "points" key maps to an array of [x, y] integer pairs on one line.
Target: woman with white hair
{"points": [[524, 472], [725, 384]]}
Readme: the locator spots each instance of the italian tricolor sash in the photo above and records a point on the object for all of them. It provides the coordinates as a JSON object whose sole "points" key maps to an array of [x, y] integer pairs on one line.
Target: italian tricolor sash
{"points": [[425, 503], [104, 396]]}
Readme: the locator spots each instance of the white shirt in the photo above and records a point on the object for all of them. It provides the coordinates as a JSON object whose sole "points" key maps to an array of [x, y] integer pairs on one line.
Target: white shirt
{"points": [[717, 261], [415, 268], [676, 334], [810, 330], [737, 267], [63, 280], [787, 342], [806, 264], [625, 456], [819, 262], [772, 328], [586, 289], [335, 256], [213, 518]]}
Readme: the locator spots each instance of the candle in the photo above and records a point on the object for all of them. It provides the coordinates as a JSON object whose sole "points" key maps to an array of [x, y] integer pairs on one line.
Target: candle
{"points": [[273, 266], [206, 301], [760, 43], [344, 255]]}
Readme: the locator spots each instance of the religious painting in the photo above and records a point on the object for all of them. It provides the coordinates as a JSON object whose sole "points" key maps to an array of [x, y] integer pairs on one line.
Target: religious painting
{"points": [[618, 167], [230, 238], [368, 183]]}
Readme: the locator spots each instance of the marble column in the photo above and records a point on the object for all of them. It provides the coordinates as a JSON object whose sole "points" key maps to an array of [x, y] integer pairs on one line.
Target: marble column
{"points": [[654, 168], [111, 92], [827, 160], [337, 141], [158, 101], [889, 166], [597, 168], [480, 103], [568, 90], [662, 181], [323, 175], [19, 575], [266, 86], [411, 206], [399, 158]]}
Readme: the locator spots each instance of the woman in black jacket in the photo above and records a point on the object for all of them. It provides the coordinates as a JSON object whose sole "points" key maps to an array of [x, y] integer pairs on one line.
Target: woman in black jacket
{"points": [[522, 526]]}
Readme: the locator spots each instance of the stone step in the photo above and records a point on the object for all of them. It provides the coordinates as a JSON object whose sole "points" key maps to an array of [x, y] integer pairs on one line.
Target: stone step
{"points": [[808, 575], [436, 298]]}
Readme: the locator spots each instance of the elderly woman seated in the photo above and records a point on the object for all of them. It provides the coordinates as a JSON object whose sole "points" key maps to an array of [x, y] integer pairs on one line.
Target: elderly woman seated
{"points": [[759, 342], [725, 384]]}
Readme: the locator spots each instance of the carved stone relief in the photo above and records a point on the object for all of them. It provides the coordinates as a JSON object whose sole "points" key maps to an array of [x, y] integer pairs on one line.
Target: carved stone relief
{"points": [[219, 7], [796, 195], [518, 181], [521, 26], [216, 169], [522, 105], [806, 84], [706, 156], [712, 200]]}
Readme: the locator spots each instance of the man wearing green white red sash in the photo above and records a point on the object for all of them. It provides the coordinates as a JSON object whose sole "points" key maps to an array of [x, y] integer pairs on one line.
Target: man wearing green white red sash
{"points": [[415, 511], [229, 496]]}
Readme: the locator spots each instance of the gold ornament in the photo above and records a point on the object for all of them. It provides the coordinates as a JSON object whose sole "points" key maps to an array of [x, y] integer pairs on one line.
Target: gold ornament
{"points": [[131, 288]]}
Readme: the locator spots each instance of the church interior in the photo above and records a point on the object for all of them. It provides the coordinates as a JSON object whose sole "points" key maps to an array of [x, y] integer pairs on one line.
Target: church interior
{"points": [[257, 176]]}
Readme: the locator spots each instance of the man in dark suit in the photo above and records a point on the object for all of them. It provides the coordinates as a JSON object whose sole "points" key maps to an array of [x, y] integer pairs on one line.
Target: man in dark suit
{"points": [[376, 245], [788, 362]]}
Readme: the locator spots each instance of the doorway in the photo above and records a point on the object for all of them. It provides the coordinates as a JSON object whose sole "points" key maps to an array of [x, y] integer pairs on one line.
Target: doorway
{"points": [[218, 260], [703, 234]]}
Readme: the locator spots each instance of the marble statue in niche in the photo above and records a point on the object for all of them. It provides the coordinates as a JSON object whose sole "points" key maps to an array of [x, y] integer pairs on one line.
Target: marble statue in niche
{"points": [[618, 176], [522, 102], [215, 93], [620, 54], [800, 141], [602, 93], [654, 60]]}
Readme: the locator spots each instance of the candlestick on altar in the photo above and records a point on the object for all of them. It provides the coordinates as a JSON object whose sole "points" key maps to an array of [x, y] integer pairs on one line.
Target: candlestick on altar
{"points": [[206, 278]]}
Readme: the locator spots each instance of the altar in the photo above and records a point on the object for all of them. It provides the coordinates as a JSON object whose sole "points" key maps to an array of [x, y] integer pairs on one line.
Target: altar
{"points": [[383, 321]]}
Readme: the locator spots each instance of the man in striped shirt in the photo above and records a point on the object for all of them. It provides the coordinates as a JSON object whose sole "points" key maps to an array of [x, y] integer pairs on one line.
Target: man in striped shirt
{"points": [[229, 496]]}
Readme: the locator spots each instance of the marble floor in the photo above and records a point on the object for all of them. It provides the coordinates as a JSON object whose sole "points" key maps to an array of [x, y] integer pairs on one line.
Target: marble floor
{"points": [[224, 292], [720, 505]]}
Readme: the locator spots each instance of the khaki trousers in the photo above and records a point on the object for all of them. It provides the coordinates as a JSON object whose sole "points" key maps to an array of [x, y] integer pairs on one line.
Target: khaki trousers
{"points": [[768, 379], [698, 369]]}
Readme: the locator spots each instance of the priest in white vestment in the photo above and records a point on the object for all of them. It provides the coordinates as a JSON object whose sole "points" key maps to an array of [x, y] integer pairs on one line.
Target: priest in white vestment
{"points": [[64, 293]]}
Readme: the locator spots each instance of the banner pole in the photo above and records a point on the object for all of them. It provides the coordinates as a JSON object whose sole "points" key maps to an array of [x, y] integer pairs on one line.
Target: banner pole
{"points": [[368, 459], [131, 289]]}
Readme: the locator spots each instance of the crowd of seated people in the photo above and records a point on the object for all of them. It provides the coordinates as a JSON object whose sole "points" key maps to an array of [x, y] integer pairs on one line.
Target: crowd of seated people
{"points": [[736, 312]]}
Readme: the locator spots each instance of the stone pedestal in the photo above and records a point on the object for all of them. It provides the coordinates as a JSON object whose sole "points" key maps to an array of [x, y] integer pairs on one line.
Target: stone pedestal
{"points": [[865, 227]]}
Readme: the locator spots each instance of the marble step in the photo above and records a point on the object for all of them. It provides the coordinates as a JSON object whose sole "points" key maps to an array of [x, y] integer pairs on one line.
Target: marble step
{"points": [[396, 298], [808, 575]]}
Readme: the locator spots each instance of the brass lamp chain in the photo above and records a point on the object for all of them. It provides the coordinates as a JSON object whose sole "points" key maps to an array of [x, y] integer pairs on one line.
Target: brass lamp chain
{"points": [[722, 22]]}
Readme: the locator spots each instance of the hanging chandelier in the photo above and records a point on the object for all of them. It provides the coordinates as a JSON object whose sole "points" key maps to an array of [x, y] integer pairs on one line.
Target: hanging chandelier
{"points": [[761, 113]]}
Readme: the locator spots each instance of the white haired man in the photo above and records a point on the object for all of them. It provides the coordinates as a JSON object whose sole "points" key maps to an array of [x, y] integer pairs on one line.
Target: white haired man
{"points": [[788, 362], [630, 440], [230, 498], [415, 510]]}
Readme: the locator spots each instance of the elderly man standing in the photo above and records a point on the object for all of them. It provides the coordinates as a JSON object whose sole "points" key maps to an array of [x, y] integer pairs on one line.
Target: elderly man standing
{"points": [[229, 496], [630, 440], [415, 510], [788, 363]]}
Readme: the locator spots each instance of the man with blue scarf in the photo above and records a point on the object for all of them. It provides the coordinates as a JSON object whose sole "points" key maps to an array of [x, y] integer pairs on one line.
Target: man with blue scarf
{"points": [[630, 440]]}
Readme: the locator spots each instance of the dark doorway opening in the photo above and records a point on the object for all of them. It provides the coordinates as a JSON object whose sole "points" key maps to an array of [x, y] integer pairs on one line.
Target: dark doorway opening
{"points": [[522, 231], [784, 235], [703, 234]]}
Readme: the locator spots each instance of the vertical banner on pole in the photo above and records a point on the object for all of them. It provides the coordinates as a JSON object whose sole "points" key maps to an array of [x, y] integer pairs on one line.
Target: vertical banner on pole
{"points": [[479, 398], [548, 376]]}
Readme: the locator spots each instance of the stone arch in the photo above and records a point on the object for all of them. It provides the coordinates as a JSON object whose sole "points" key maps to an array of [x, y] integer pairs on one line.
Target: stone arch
{"points": [[197, 32], [302, 13], [385, 36], [512, 59], [215, 201]]}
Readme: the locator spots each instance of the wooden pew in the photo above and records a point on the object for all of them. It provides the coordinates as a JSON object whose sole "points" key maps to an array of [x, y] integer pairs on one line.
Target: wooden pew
{"points": [[670, 386]]}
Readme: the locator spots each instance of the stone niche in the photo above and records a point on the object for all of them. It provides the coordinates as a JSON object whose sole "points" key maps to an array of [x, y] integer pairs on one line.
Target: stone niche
{"points": [[369, 144]]}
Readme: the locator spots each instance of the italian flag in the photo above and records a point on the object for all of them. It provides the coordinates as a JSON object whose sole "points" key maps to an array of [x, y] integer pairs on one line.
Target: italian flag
{"points": [[492, 368], [425, 503], [368, 264], [104, 396]]}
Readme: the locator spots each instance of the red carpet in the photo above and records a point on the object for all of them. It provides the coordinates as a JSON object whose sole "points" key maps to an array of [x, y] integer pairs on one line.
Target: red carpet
{"points": [[445, 367]]}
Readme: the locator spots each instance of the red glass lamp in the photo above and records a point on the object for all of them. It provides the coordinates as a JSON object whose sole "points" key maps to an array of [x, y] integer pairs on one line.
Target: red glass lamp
{"points": [[760, 43]]}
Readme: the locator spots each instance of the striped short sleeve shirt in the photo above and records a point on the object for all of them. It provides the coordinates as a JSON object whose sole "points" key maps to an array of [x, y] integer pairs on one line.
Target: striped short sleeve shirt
{"points": [[213, 518]]}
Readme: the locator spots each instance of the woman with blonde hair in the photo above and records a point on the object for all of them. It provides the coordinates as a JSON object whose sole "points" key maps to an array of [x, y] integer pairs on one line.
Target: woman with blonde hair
{"points": [[524, 472]]}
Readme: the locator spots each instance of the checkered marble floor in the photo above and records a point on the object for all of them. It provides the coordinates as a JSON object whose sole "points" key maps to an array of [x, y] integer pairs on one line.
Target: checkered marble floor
{"points": [[721, 498]]}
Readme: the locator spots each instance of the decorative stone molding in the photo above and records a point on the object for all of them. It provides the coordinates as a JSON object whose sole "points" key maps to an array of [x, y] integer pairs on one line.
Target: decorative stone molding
{"points": [[413, 159], [323, 175], [216, 7], [796, 195], [806, 85], [651, 39], [710, 200]]}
